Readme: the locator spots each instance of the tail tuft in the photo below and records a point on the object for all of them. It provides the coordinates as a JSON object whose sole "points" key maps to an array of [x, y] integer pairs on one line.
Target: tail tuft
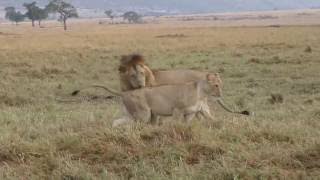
{"points": [[75, 92], [246, 113]]}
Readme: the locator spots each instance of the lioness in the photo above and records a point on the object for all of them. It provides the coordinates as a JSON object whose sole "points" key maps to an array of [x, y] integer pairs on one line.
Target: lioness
{"points": [[147, 104]]}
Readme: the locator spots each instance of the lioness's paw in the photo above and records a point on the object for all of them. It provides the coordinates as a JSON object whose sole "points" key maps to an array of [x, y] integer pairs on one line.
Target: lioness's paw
{"points": [[118, 122]]}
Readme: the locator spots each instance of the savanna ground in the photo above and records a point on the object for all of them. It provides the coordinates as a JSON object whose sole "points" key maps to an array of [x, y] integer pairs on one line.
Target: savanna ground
{"points": [[273, 71]]}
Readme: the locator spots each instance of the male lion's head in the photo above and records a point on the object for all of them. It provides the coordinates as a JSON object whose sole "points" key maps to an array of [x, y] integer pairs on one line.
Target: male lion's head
{"points": [[214, 85], [134, 73]]}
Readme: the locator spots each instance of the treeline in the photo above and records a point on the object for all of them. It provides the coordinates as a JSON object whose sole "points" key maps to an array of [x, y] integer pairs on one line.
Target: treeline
{"points": [[64, 9], [35, 13]]}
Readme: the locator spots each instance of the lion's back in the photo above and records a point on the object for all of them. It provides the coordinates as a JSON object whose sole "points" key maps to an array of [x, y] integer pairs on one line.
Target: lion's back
{"points": [[178, 76]]}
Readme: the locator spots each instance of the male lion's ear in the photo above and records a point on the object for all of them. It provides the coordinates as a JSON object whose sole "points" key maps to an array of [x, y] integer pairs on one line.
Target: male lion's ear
{"points": [[123, 58], [122, 69]]}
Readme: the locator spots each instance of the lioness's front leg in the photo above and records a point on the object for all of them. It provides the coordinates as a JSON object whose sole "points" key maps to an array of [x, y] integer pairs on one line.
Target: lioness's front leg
{"points": [[121, 121], [126, 117], [189, 117], [205, 111]]}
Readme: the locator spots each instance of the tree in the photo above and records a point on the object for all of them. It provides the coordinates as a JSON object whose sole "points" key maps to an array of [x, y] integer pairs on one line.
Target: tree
{"points": [[18, 17], [64, 9], [9, 12], [109, 13], [34, 13], [31, 13], [13, 15], [41, 15], [132, 17]]}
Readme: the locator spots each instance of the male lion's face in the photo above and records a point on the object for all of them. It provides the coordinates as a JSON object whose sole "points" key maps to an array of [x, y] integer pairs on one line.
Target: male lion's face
{"points": [[214, 85], [136, 76]]}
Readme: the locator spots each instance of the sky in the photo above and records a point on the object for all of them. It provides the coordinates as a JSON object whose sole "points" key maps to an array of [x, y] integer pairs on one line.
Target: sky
{"points": [[185, 6]]}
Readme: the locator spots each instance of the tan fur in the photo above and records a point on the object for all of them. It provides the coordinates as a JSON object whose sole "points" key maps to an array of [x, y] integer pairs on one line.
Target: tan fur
{"points": [[148, 104]]}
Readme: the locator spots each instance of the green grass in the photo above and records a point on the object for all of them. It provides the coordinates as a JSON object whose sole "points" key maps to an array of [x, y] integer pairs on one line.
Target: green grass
{"points": [[42, 138]]}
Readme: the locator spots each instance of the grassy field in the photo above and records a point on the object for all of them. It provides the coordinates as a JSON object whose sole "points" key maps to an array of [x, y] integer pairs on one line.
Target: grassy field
{"points": [[272, 71]]}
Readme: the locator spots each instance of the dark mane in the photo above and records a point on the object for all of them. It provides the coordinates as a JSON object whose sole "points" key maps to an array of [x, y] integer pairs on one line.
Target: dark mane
{"points": [[128, 61]]}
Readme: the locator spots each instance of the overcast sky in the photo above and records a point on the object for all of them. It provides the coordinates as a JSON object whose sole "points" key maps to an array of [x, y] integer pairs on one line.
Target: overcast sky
{"points": [[185, 5]]}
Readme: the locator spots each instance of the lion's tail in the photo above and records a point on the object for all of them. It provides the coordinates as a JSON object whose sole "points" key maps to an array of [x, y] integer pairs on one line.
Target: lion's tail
{"points": [[112, 91], [220, 101]]}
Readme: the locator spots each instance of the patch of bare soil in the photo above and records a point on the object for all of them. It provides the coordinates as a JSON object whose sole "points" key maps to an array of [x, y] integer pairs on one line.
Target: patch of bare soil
{"points": [[172, 36]]}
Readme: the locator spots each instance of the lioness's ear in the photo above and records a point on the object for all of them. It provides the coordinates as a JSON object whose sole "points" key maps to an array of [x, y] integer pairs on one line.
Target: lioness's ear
{"points": [[211, 76], [218, 79], [208, 76], [217, 76]]}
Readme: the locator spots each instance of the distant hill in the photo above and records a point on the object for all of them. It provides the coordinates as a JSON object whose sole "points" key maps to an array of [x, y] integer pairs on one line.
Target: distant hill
{"points": [[182, 6]]}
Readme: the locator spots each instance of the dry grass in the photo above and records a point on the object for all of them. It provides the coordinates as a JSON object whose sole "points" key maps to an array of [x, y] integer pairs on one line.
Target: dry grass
{"points": [[42, 138]]}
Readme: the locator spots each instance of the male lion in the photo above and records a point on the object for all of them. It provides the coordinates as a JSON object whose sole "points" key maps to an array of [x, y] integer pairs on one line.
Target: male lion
{"points": [[135, 74]]}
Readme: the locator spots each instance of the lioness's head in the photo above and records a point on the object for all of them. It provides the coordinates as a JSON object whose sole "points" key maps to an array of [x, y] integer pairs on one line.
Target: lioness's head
{"points": [[214, 85], [135, 72]]}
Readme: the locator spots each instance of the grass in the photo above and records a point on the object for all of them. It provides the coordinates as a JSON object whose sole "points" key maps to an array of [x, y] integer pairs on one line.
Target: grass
{"points": [[274, 72]]}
